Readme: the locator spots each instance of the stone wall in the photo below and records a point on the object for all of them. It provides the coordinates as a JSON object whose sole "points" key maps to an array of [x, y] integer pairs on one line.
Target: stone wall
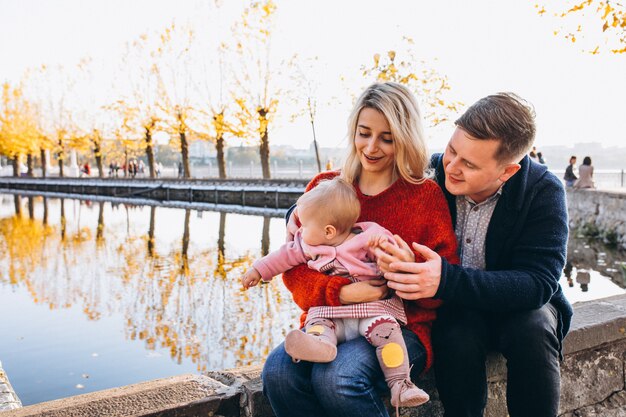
{"points": [[593, 382], [598, 213]]}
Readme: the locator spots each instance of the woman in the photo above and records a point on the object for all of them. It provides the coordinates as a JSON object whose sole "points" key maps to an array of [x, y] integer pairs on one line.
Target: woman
{"points": [[585, 175], [386, 164]]}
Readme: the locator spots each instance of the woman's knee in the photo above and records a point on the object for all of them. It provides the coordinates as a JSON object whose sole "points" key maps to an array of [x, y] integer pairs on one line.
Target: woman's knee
{"points": [[464, 334]]}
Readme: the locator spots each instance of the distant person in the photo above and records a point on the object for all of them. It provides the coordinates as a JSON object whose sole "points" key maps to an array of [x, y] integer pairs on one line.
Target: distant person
{"points": [[569, 176], [329, 165], [86, 169], [540, 158], [585, 175], [533, 154], [180, 170]]}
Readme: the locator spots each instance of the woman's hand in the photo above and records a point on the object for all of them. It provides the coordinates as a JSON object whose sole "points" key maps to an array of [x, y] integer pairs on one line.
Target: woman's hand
{"points": [[292, 225], [364, 291], [386, 252]]}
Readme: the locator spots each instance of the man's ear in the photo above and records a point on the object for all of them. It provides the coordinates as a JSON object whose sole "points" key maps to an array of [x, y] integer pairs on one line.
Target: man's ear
{"points": [[509, 171], [330, 231]]}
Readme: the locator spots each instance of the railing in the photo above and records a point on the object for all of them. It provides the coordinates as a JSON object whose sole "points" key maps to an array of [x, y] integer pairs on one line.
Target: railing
{"points": [[603, 178]]}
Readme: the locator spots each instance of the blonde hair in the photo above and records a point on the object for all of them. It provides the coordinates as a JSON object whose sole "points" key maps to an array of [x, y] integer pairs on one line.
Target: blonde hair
{"points": [[398, 105], [335, 200]]}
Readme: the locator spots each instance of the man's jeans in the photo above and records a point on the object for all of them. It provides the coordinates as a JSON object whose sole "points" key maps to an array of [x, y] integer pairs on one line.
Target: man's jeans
{"points": [[527, 339], [351, 385]]}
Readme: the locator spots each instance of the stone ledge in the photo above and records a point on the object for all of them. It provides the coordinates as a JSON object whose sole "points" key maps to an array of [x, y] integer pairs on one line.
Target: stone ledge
{"points": [[593, 382], [184, 395]]}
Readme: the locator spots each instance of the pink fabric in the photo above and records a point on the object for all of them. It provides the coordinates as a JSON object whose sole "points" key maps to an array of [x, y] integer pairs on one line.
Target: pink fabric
{"points": [[353, 254]]}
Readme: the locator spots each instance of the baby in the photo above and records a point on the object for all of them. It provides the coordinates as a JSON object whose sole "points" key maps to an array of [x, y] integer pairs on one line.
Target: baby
{"points": [[330, 241]]}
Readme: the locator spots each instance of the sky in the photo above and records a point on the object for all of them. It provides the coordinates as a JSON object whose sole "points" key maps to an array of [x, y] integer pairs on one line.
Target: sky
{"points": [[483, 47]]}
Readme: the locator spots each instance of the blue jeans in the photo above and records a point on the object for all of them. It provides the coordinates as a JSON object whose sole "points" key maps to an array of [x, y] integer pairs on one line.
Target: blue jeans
{"points": [[351, 385]]}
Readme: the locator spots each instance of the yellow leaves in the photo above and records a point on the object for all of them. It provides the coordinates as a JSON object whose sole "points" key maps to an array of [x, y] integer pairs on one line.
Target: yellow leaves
{"points": [[429, 86], [612, 21], [607, 9]]}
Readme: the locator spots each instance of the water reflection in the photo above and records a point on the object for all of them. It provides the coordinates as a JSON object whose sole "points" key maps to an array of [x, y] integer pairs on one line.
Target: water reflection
{"points": [[592, 270], [167, 283], [175, 294]]}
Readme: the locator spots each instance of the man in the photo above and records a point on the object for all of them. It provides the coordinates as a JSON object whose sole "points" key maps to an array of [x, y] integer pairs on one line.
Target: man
{"points": [[511, 224], [569, 177]]}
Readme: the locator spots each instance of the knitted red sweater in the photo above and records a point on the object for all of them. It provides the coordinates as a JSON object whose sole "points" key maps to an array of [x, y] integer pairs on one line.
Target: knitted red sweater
{"points": [[415, 212]]}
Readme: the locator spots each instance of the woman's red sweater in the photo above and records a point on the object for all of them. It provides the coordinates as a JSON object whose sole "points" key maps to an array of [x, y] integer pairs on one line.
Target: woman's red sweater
{"points": [[415, 212]]}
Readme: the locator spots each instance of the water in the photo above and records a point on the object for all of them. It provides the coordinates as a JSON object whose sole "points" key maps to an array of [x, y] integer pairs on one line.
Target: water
{"points": [[104, 295], [98, 295]]}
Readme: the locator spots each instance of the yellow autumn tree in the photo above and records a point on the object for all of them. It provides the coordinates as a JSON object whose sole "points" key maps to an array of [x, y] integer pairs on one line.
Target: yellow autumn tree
{"points": [[19, 133], [602, 20], [431, 87], [255, 93], [138, 105], [173, 69]]}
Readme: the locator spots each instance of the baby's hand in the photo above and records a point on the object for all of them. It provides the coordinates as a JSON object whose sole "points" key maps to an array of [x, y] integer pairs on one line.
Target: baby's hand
{"points": [[375, 241], [250, 278]]}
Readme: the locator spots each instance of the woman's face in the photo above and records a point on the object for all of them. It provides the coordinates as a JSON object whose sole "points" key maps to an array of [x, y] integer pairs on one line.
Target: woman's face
{"points": [[374, 143]]}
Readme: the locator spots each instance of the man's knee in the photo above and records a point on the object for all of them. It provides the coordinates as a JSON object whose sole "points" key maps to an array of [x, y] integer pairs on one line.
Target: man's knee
{"points": [[531, 333]]}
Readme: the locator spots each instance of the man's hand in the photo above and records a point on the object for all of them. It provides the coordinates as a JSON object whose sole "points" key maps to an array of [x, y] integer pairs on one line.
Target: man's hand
{"points": [[415, 280], [292, 225], [363, 291], [250, 278], [387, 253]]}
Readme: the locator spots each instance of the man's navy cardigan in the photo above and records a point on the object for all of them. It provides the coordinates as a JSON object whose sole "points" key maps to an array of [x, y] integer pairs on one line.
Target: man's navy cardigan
{"points": [[525, 248]]}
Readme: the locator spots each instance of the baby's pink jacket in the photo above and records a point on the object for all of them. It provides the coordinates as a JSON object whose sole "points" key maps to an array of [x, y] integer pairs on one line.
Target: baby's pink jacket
{"points": [[354, 254]]}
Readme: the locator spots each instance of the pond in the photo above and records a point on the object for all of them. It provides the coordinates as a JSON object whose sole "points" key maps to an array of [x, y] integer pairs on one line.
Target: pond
{"points": [[95, 295]]}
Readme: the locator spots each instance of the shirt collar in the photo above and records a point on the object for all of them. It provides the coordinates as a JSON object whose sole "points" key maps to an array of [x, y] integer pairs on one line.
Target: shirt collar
{"points": [[495, 196]]}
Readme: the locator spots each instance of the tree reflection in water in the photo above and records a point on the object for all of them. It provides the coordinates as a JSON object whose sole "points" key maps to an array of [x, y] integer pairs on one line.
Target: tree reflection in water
{"points": [[186, 299]]}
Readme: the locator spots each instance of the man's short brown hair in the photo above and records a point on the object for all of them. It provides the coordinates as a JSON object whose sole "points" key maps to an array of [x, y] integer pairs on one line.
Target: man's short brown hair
{"points": [[505, 117]]}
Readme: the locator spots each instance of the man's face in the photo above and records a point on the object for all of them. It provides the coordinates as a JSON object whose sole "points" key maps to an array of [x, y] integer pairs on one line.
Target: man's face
{"points": [[471, 167]]}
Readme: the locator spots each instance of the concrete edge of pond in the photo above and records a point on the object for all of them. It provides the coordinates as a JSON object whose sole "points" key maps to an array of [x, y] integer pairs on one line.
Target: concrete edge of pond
{"points": [[593, 381], [8, 398]]}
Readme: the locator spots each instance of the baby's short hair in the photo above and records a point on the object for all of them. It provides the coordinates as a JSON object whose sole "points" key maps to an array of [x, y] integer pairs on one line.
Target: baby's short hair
{"points": [[335, 200]]}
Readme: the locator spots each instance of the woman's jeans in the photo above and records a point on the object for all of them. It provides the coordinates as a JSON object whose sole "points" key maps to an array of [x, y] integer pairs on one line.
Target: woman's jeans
{"points": [[351, 385], [527, 340]]}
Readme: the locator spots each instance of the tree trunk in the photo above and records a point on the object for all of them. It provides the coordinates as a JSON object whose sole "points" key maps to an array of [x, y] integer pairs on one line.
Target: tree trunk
{"points": [[150, 152], [44, 166], [31, 208], [151, 232], [17, 200], [221, 158], [184, 151], [100, 230], [30, 164], [63, 220], [265, 236], [317, 152], [264, 147], [185, 259], [97, 152], [61, 157], [45, 211], [221, 253], [16, 165]]}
